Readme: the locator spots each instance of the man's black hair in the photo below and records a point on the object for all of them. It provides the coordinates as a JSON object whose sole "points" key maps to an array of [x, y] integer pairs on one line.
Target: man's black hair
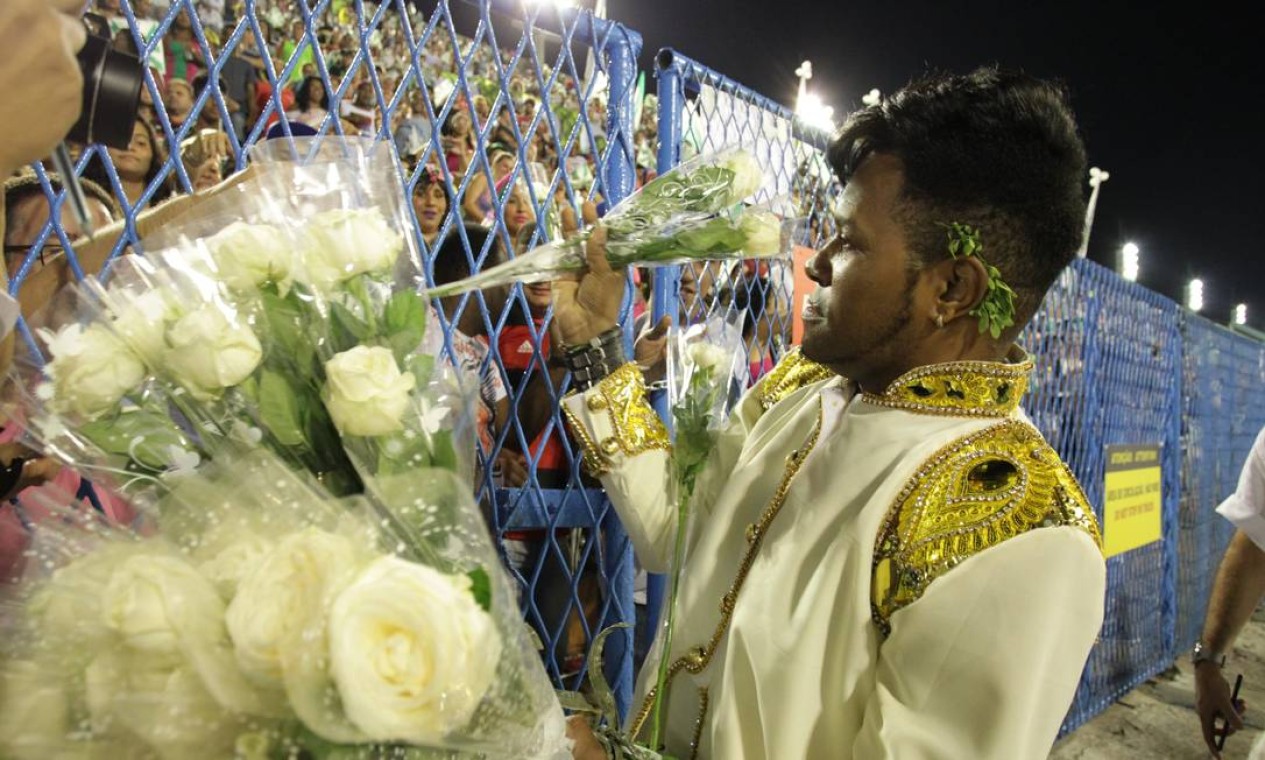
{"points": [[451, 261], [994, 149]]}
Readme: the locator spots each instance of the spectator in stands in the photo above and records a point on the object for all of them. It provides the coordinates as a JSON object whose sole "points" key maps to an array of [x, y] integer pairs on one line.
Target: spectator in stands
{"points": [[205, 156], [414, 132], [502, 137], [362, 109], [239, 77], [477, 206], [184, 57], [137, 167], [179, 102], [518, 213], [470, 342], [1237, 592], [430, 203], [311, 103], [264, 97], [209, 116], [482, 109], [458, 140], [298, 43]]}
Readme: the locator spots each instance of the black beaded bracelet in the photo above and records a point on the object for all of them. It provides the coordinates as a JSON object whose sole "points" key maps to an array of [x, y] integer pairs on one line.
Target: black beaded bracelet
{"points": [[592, 361]]}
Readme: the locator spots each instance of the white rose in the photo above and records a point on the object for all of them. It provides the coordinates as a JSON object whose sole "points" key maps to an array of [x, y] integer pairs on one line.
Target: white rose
{"points": [[155, 603], [343, 243], [208, 352], [140, 319], [91, 369], [707, 356], [249, 255], [366, 393], [763, 232], [233, 560], [285, 592], [411, 650], [170, 709], [35, 720], [748, 176]]}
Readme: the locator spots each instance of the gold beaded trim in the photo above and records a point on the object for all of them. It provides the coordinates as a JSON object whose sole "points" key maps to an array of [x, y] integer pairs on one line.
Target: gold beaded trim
{"points": [[636, 427], [698, 658], [698, 724], [970, 389], [792, 373], [973, 494]]}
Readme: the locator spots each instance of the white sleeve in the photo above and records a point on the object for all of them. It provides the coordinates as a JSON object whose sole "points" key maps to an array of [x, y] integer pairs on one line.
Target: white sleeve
{"points": [[1246, 506], [986, 663], [641, 486]]}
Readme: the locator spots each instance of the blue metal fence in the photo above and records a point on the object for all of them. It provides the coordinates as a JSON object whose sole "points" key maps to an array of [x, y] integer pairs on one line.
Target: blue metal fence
{"points": [[1223, 409], [1116, 363]]}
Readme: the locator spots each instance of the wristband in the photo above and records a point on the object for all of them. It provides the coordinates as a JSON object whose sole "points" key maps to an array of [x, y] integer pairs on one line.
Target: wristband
{"points": [[592, 361]]}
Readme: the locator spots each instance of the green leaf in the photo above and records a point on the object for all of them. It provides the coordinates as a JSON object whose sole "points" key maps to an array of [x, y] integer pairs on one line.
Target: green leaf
{"points": [[279, 409], [481, 588], [405, 320], [422, 366], [348, 330], [143, 436]]}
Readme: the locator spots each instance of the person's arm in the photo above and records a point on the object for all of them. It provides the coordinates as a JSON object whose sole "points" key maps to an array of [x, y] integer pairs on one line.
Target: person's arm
{"points": [[1239, 587], [50, 94], [985, 664], [470, 205]]}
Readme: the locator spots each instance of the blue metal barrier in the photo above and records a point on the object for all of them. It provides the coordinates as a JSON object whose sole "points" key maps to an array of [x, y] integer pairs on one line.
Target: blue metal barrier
{"points": [[1223, 409], [1108, 369]]}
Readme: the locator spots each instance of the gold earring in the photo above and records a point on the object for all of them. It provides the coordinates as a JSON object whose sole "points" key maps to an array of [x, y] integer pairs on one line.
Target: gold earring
{"points": [[940, 321]]}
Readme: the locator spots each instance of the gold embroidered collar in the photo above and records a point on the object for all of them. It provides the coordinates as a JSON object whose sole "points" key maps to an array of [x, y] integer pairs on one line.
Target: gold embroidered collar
{"points": [[961, 389]]}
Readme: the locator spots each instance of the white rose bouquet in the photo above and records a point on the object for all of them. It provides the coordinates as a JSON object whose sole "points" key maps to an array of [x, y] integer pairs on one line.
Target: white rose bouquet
{"points": [[693, 212], [336, 633]]}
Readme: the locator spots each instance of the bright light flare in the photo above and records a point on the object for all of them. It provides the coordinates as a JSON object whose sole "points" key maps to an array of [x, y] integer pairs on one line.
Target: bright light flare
{"points": [[1240, 314]]}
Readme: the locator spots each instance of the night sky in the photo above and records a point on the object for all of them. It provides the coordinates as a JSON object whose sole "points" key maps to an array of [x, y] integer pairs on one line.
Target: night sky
{"points": [[1167, 102]]}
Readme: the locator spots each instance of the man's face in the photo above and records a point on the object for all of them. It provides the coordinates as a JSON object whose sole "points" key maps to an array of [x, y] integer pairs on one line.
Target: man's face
{"points": [[179, 99], [859, 321], [45, 279]]}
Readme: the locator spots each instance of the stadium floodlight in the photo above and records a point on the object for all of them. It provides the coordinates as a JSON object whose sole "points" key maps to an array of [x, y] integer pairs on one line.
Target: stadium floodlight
{"points": [[816, 113], [1195, 294], [1240, 314], [1129, 261]]}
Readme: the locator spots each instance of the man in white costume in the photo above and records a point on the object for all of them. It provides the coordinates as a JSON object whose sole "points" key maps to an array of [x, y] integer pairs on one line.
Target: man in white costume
{"points": [[889, 560], [1236, 593]]}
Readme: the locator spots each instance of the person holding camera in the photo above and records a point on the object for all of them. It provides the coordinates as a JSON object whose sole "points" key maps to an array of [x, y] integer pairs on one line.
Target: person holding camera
{"points": [[40, 39]]}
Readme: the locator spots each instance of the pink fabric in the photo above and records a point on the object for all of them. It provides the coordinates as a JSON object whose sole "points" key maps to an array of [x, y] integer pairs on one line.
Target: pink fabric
{"points": [[14, 537]]}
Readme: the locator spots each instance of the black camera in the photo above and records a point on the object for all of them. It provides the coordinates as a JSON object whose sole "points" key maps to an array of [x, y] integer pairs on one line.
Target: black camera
{"points": [[111, 89]]}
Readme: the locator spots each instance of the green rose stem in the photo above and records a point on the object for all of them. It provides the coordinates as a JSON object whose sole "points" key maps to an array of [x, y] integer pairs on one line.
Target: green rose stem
{"points": [[693, 446]]}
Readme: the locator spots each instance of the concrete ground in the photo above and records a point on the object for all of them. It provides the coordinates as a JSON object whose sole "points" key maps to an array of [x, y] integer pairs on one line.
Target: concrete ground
{"points": [[1157, 720]]}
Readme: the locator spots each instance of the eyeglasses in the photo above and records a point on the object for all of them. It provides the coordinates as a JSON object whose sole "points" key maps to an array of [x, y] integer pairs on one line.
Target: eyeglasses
{"points": [[50, 252]]}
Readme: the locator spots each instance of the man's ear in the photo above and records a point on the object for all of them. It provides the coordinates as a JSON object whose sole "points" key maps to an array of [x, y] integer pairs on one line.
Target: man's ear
{"points": [[961, 284]]}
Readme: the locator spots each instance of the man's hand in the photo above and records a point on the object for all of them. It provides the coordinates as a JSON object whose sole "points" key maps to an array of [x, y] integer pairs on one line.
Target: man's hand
{"points": [[651, 350], [586, 745], [513, 468], [39, 77], [1212, 701], [587, 306]]}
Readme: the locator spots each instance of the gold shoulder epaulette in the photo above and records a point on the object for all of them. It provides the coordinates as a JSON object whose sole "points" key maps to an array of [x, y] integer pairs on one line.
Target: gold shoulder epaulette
{"points": [[792, 373], [973, 494]]}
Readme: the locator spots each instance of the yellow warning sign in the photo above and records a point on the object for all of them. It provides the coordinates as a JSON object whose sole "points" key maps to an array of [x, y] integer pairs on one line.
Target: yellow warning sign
{"points": [[1133, 505]]}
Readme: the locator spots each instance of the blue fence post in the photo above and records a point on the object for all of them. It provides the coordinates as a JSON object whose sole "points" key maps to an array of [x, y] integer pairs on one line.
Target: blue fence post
{"points": [[666, 282], [621, 47]]}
